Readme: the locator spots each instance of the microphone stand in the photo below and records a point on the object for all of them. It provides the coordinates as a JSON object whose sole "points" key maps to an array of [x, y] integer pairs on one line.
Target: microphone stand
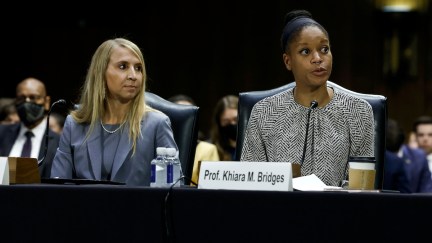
{"points": [[40, 162], [313, 105]]}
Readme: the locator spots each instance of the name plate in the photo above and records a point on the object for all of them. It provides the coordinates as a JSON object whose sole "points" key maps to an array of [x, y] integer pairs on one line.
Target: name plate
{"points": [[236, 175], [4, 171]]}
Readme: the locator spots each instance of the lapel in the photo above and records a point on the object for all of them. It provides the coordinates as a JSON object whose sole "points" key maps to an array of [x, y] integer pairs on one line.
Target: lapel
{"points": [[123, 150], [11, 134], [42, 147], [94, 148], [406, 154]]}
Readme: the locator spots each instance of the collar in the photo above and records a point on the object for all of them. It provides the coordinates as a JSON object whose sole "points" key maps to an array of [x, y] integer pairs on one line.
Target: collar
{"points": [[38, 131]]}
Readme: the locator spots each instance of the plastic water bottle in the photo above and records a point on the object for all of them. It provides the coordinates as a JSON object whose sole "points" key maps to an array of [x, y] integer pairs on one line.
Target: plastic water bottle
{"points": [[169, 168], [172, 154], [158, 169]]}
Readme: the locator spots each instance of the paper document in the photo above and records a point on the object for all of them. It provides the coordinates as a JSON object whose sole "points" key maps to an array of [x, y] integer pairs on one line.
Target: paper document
{"points": [[309, 183]]}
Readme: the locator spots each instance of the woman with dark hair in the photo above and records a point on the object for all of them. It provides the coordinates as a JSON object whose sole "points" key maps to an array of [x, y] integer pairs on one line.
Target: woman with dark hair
{"points": [[337, 125], [223, 131]]}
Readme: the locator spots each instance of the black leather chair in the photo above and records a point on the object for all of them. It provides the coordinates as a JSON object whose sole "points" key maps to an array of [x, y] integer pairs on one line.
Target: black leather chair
{"points": [[379, 106], [184, 121]]}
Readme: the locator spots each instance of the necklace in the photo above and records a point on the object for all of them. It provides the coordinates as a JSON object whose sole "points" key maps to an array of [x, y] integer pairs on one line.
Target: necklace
{"points": [[111, 132]]}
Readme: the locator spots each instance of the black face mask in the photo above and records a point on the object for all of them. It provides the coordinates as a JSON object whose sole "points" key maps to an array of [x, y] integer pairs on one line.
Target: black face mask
{"points": [[30, 113], [229, 131]]}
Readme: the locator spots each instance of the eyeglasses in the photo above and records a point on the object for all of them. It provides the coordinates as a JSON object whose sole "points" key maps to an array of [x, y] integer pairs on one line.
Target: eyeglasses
{"points": [[31, 98]]}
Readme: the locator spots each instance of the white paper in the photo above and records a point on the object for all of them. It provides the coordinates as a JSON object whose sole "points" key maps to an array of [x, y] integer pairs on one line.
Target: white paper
{"points": [[309, 183]]}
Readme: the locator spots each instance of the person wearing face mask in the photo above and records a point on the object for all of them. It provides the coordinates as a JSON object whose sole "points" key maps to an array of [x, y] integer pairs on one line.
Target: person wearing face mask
{"points": [[32, 105], [205, 151], [223, 132]]}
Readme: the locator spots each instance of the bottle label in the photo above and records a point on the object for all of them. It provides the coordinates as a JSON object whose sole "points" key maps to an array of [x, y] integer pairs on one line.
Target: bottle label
{"points": [[153, 173], [170, 173]]}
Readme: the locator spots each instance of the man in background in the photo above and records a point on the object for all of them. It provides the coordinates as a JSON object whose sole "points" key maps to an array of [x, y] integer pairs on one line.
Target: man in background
{"points": [[423, 130], [415, 162], [8, 113], [27, 138]]}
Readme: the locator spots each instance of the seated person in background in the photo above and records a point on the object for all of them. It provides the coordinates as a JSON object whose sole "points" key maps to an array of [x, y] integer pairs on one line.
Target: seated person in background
{"points": [[8, 112], [395, 174], [415, 162], [56, 122], [223, 132], [205, 151], [423, 130], [341, 125], [182, 99], [113, 135], [412, 140], [27, 138]]}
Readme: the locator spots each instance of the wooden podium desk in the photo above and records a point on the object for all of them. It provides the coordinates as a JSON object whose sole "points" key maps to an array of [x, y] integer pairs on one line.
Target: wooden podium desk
{"points": [[110, 213]]}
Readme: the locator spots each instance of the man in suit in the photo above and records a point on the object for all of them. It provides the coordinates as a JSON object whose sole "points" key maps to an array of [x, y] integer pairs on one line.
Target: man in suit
{"points": [[423, 131], [395, 176], [32, 103], [416, 165]]}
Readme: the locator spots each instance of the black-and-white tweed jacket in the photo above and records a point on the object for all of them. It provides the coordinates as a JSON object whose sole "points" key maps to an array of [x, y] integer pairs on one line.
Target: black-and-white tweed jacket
{"points": [[277, 128]]}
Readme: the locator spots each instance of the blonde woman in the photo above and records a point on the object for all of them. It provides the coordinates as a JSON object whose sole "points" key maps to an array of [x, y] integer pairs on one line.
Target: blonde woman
{"points": [[113, 135]]}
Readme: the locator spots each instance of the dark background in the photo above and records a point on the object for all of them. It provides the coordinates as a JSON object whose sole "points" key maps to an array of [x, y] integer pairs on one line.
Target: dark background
{"points": [[207, 49]]}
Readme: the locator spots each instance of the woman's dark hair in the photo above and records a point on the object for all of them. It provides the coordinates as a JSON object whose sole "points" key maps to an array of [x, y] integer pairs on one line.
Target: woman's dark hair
{"points": [[294, 22], [221, 142], [395, 136]]}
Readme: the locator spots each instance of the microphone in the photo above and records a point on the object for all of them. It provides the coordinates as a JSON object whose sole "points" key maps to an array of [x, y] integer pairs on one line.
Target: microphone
{"points": [[313, 105], [47, 130]]}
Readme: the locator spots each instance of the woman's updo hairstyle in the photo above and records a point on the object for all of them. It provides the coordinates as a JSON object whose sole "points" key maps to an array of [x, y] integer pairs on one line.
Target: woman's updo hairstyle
{"points": [[295, 21]]}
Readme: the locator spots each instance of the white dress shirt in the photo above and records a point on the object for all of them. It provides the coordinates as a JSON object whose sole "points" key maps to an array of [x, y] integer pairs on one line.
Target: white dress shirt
{"points": [[38, 133]]}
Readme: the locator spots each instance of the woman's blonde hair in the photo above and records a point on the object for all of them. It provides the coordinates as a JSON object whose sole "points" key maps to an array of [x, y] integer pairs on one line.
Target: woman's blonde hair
{"points": [[95, 90]]}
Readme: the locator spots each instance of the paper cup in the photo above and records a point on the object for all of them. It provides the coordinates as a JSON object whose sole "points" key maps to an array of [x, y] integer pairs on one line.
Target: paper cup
{"points": [[361, 173]]}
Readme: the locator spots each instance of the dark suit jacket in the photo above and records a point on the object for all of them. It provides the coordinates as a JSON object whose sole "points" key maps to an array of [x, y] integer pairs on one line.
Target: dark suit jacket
{"points": [[395, 176], [8, 135], [417, 168]]}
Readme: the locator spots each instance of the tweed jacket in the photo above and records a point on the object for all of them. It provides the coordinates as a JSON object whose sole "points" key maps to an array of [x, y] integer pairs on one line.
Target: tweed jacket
{"points": [[276, 132]]}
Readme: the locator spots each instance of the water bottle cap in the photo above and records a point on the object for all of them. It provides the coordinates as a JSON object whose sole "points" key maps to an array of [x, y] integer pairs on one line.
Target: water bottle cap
{"points": [[171, 151], [161, 150]]}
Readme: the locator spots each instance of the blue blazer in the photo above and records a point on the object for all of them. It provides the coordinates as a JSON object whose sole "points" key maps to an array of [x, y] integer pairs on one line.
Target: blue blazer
{"points": [[417, 168], [395, 176], [76, 152], [8, 135]]}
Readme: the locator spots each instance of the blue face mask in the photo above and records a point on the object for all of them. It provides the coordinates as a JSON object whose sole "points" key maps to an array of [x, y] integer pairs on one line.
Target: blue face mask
{"points": [[30, 113]]}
